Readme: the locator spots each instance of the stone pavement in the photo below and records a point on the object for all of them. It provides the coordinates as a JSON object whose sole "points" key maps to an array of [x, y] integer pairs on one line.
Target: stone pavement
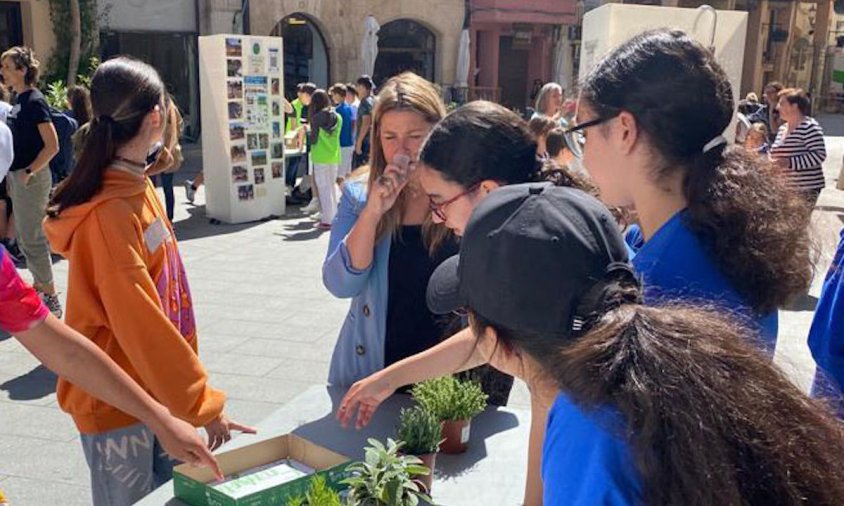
{"points": [[267, 327]]}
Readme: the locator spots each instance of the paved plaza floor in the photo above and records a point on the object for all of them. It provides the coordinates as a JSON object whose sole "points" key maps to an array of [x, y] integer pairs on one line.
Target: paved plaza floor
{"points": [[267, 327]]}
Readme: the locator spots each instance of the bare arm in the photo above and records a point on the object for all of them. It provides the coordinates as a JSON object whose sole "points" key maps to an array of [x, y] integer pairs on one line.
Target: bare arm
{"points": [[50, 149], [74, 357], [365, 123], [288, 107], [533, 482], [457, 353]]}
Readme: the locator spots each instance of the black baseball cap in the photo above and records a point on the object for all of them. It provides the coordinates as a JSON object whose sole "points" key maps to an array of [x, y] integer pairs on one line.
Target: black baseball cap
{"points": [[534, 257]]}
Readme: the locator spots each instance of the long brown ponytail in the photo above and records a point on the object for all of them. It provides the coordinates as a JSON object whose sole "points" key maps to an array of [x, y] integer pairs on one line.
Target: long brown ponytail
{"points": [[123, 92]]}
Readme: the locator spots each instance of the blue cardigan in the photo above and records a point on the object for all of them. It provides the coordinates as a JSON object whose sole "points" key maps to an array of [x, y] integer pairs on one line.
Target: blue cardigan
{"points": [[359, 351]]}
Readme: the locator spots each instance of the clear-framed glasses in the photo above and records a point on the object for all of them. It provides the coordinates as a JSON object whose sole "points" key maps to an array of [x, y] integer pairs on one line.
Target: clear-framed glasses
{"points": [[576, 140]]}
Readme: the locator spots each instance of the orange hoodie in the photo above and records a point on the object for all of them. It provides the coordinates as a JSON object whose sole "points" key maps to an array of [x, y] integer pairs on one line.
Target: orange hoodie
{"points": [[128, 293]]}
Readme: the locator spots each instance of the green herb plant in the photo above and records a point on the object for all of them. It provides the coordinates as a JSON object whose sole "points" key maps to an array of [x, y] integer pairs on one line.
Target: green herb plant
{"points": [[57, 95], [318, 494], [419, 430], [386, 478], [450, 399]]}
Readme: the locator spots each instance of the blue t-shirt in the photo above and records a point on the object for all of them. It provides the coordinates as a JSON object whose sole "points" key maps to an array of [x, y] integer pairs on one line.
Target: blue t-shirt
{"points": [[585, 460], [675, 266], [826, 337], [345, 112]]}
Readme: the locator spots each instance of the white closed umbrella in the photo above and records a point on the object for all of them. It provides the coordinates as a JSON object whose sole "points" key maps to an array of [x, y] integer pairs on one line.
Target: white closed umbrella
{"points": [[461, 80], [560, 73], [369, 45]]}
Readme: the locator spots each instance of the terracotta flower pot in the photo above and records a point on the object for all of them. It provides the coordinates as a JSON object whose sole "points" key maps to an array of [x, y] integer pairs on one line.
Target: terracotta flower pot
{"points": [[430, 461], [456, 436]]}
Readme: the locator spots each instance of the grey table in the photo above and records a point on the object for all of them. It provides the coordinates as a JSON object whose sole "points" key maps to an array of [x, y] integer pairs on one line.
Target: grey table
{"points": [[491, 472]]}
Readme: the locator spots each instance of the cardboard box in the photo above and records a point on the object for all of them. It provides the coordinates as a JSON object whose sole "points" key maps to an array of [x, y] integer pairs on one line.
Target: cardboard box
{"points": [[193, 485]]}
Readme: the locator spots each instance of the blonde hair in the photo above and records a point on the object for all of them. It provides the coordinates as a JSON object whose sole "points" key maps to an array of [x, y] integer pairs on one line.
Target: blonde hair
{"points": [[544, 93], [404, 92]]}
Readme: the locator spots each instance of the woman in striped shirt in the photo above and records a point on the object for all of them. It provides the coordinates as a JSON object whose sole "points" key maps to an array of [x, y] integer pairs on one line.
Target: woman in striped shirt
{"points": [[799, 147]]}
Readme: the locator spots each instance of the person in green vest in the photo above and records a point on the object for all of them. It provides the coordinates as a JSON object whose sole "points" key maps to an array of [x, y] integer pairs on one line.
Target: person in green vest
{"points": [[323, 130], [299, 107]]}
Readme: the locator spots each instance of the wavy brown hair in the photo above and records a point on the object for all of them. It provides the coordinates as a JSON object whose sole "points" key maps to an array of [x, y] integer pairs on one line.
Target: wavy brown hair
{"points": [[709, 419], [754, 226], [405, 92]]}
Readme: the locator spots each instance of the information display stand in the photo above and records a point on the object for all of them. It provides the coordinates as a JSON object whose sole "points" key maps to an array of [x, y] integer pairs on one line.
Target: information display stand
{"points": [[242, 126]]}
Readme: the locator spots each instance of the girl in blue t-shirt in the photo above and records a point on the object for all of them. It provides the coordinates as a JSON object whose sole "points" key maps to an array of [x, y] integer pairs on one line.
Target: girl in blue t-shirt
{"points": [[717, 224]]}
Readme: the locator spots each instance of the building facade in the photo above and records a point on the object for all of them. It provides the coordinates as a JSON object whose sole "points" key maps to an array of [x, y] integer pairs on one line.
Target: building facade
{"points": [[514, 46], [27, 22], [322, 39]]}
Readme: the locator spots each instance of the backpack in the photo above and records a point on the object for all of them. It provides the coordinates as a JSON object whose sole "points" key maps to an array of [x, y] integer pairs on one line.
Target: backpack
{"points": [[62, 164]]}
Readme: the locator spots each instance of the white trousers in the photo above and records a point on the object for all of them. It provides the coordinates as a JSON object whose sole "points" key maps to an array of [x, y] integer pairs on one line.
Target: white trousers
{"points": [[346, 155], [325, 176]]}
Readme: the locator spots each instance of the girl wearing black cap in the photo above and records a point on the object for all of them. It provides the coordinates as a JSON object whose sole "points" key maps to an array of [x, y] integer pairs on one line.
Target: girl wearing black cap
{"points": [[649, 405], [716, 223], [474, 150]]}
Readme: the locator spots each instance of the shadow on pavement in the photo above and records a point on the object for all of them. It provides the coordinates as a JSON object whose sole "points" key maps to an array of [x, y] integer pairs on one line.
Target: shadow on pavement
{"points": [[198, 225], [36, 384]]}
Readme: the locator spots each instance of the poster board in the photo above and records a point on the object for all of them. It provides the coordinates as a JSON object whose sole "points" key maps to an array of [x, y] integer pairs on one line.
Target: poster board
{"points": [[608, 26], [242, 126]]}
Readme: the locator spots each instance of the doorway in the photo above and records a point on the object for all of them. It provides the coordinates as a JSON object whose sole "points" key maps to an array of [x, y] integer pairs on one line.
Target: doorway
{"points": [[512, 74]]}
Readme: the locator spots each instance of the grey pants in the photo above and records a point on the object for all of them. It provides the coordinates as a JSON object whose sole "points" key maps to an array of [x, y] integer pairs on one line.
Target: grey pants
{"points": [[126, 465], [29, 203]]}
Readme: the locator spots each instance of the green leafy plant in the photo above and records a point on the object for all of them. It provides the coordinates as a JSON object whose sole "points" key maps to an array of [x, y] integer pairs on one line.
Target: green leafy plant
{"points": [[419, 430], [85, 79], [386, 478], [318, 494], [57, 95], [449, 398]]}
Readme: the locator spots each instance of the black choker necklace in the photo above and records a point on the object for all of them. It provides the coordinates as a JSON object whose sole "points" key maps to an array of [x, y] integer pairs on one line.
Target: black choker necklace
{"points": [[133, 163]]}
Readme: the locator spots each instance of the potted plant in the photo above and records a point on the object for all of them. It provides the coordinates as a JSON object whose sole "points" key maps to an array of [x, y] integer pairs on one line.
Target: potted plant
{"points": [[385, 477], [455, 403], [421, 432]]}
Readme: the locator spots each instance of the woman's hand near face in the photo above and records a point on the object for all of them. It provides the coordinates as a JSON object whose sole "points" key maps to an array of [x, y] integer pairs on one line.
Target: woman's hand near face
{"points": [[389, 185]]}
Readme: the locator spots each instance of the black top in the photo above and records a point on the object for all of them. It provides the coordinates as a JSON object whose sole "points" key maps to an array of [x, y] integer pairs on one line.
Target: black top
{"points": [[30, 110], [411, 327]]}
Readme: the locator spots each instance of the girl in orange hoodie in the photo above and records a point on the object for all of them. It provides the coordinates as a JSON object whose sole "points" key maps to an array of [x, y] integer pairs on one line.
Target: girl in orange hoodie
{"points": [[127, 289]]}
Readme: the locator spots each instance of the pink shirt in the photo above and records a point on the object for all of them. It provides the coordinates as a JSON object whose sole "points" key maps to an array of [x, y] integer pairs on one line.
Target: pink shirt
{"points": [[20, 306]]}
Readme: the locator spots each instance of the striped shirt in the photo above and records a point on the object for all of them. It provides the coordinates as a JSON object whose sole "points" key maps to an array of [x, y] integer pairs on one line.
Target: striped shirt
{"points": [[805, 151]]}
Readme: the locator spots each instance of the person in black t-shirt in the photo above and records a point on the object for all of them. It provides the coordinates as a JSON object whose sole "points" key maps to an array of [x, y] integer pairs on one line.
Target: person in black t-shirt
{"points": [[29, 180]]}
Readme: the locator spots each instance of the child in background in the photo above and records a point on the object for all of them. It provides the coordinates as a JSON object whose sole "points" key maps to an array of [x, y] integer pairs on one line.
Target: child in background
{"points": [[757, 138], [324, 129], [540, 126], [347, 140]]}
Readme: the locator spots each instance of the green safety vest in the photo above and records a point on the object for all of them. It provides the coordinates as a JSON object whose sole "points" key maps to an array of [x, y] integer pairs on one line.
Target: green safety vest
{"points": [[326, 151]]}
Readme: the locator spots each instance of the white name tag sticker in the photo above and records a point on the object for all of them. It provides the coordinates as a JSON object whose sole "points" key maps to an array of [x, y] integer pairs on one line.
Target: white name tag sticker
{"points": [[156, 234]]}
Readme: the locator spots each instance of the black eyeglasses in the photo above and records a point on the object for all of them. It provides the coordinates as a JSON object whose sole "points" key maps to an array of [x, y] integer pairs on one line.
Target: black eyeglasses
{"points": [[574, 136]]}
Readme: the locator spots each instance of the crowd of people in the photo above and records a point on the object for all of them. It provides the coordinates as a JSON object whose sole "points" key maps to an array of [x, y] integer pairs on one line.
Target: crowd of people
{"points": [[624, 262]]}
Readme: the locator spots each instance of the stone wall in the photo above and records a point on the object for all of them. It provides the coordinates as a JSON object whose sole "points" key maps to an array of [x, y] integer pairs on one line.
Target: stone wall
{"points": [[342, 23]]}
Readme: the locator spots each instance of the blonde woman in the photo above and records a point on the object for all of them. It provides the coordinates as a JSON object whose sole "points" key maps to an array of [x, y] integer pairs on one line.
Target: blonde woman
{"points": [[383, 245]]}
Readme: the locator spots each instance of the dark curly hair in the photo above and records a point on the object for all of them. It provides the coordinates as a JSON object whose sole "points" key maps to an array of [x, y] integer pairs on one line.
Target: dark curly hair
{"points": [[739, 205], [709, 419]]}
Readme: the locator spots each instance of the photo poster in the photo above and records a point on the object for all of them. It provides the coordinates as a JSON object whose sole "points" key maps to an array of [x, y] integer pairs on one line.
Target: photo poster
{"points": [[253, 90]]}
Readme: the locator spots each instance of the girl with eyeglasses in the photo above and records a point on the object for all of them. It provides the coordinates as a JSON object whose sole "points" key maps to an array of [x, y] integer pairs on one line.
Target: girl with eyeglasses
{"points": [[475, 150], [716, 223]]}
